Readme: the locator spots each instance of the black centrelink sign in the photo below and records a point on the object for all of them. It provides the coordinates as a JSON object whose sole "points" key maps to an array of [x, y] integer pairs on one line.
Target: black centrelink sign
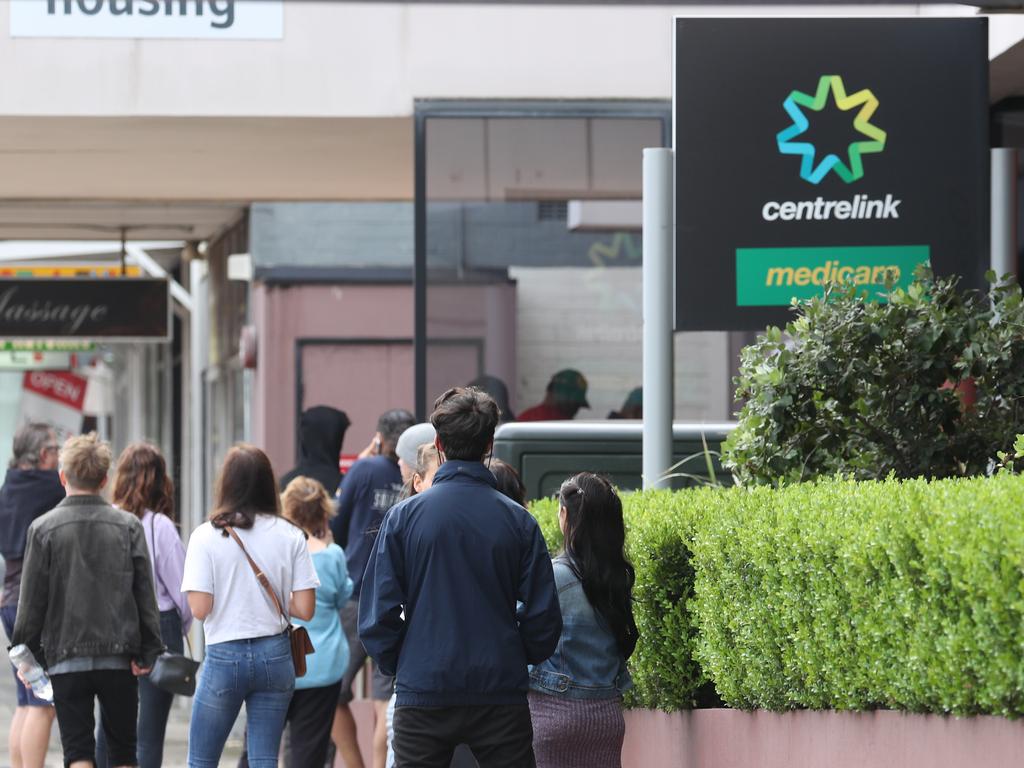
{"points": [[85, 308], [824, 150]]}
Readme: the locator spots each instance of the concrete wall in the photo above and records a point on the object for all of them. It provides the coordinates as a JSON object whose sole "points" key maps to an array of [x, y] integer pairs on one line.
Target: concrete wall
{"points": [[339, 59], [332, 235], [348, 59], [725, 738]]}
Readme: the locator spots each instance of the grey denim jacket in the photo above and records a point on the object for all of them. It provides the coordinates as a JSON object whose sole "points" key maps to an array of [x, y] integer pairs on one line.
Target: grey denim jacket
{"points": [[87, 586]]}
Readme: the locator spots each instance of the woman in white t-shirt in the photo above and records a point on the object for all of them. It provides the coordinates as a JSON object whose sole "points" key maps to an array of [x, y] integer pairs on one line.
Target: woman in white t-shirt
{"points": [[248, 655]]}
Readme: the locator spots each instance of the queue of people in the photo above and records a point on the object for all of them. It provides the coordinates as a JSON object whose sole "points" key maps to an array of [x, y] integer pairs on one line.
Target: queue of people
{"points": [[485, 651]]}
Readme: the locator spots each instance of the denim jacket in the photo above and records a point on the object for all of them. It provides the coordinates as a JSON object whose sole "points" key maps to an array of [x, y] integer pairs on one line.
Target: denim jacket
{"points": [[587, 663]]}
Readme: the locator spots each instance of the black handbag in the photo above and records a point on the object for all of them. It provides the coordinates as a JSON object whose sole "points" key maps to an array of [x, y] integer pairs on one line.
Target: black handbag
{"points": [[173, 672]]}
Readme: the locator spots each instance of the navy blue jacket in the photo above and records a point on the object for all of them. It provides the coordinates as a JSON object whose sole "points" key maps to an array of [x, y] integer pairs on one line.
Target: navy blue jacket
{"points": [[368, 491], [26, 494], [457, 558]]}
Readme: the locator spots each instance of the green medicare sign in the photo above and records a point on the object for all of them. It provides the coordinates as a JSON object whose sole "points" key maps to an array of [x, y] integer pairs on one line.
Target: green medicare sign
{"points": [[813, 151], [773, 277]]}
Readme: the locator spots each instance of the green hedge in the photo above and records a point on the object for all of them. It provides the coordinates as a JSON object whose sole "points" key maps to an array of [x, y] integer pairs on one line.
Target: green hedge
{"points": [[837, 594]]}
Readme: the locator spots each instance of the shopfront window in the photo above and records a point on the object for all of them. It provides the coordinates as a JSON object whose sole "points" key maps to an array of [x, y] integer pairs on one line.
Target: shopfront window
{"points": [[529, 243]]}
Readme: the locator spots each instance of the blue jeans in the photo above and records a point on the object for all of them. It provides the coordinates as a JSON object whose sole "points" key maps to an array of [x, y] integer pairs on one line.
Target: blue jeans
{"points": [[258, 672], [154, 705]]}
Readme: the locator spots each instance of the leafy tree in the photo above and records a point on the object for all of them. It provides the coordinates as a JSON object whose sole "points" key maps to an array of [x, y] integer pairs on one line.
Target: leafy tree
{"points": [[929, 382]]}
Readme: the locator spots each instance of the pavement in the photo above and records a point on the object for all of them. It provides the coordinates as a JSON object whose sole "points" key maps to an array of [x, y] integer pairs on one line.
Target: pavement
{"points": [[175, 745]]}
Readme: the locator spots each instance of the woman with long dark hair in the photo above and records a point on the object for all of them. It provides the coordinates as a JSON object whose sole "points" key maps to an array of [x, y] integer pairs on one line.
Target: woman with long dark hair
{"points": [[576, 695], [143, 487], [248, 654]]}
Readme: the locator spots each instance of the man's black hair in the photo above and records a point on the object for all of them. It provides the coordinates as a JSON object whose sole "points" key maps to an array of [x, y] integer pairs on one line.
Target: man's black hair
{"points": [[465, 419], [392, 424]]}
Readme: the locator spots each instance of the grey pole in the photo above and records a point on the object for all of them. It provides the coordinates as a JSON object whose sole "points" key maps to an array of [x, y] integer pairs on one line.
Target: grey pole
{"points": [[199, 331], [198, 339], [1004, 214], [658, 292]]}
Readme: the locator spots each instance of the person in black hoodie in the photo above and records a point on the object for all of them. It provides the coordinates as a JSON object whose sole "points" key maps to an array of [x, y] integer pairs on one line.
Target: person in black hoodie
{"points": [[31, 489], [321, 433]]}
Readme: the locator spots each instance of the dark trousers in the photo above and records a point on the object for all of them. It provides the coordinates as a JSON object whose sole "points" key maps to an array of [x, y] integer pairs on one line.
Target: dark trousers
{"points": [[310, 716], [74, 698], [499, 736], [154, 706]]}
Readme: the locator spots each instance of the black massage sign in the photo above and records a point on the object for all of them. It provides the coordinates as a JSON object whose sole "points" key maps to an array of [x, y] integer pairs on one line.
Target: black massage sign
{"points": [[814, 151], [118, 309]]}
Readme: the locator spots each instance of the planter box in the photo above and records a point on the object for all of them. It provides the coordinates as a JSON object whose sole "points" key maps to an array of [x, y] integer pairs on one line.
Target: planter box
{"points": [[727, 738]]}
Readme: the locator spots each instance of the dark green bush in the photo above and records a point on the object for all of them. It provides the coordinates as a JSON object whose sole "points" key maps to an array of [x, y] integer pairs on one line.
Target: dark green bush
{"points": [[869, 389], [830, 595]]}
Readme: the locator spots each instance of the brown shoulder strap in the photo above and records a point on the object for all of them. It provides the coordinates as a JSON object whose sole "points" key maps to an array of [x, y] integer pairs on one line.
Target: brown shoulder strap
{"points": [[260, 575]]}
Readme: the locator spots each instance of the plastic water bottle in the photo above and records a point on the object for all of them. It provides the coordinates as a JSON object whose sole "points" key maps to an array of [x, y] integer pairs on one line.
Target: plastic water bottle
{"points": [[22, 658]]}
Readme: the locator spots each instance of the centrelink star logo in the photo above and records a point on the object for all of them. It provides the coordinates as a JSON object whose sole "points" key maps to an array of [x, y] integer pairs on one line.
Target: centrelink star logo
{"points": [[849, 170]]}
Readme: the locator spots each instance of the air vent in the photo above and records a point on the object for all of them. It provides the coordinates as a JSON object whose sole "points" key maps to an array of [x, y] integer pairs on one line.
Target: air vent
{"points": [[552, 210], [605, 215]]}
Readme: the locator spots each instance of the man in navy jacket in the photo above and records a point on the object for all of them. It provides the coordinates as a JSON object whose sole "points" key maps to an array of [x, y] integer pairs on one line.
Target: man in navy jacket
{"points": [[458, 598]]}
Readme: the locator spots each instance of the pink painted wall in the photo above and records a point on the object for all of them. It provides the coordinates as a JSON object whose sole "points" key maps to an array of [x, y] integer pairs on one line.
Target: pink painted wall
{"points": [[725, 738], [366, 380], [464, 311], [284, 314]]}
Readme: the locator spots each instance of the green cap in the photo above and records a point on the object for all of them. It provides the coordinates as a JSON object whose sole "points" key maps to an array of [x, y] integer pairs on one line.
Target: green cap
{"points": [[570, 385]]}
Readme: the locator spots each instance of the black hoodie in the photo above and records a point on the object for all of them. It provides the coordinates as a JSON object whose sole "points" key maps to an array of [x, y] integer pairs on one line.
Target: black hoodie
{"points": [[321, 432]]}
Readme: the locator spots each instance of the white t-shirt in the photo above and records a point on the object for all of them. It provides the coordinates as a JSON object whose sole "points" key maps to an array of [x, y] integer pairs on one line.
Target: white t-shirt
{"points": [[242, 608]]}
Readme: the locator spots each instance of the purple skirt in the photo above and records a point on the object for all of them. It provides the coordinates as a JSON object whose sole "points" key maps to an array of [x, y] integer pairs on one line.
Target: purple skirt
{"points": [[577, 733]]}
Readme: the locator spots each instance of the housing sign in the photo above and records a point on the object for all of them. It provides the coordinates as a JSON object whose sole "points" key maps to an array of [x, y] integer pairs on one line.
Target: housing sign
{"points": [[825, 150], [199, 19]]}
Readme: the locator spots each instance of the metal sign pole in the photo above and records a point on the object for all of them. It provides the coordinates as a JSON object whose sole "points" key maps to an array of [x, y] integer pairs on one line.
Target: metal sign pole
{"points": [[1004, 211], [658, 292], [199, 330]]}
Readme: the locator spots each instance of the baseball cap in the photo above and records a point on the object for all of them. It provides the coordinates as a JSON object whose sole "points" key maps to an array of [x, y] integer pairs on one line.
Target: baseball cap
{"points": [[410, 441], [569, 384]]}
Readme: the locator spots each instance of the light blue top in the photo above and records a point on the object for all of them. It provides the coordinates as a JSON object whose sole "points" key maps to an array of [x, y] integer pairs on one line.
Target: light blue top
{"points": [[328, 663]]}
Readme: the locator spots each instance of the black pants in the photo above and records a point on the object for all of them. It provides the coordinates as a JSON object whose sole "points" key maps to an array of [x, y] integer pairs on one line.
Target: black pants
{"points": [[310, 716], [74, 698], [154, 706], [499, 736]]}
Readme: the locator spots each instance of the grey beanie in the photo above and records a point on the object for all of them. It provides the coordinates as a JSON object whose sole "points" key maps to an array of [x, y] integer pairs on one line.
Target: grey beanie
{"points": [[409, 442]]}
